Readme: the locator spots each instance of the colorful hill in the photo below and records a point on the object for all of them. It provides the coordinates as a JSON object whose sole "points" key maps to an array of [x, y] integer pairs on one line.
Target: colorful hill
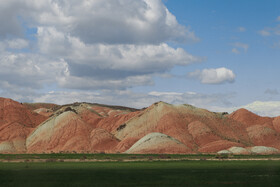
{"points": [[160, 128]]}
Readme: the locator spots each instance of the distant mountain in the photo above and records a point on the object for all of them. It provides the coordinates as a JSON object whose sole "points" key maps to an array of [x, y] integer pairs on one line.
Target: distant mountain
{"points": [[160, 128]]}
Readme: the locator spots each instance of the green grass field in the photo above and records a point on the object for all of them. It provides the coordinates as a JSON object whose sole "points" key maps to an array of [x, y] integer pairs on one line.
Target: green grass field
{"points": [[153, 173], [120, 157]]}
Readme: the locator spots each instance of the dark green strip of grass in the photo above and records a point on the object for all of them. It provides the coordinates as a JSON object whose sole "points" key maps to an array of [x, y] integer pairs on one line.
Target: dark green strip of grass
{"points": [[180, 173], [98, 156], [128, 156]]}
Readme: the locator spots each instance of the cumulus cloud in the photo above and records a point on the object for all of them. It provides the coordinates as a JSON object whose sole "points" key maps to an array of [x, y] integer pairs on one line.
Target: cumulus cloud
{"points": [[11, 27], [128, 57], [127, 22], [114, 44], [113, 21], [120, 65], [17, 43], [21, 14], [99, 49], [29, 70], [213, 76], [87, 83]]}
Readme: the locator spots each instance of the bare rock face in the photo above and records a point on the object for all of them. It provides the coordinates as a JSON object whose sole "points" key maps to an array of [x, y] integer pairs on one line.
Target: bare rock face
{"points": [[248, 118], [224, 152], [263, 150], [125, 144], [15, 135], [239, 151], [16, 122], [194, 127], [217, 146], [160, 128], [65, 132], [276, 124], [44, 112], [158, 143], [77, 128], [263, 135], [201, 133], [12, 111], [35, 106], [102, 141], [7, 147]]}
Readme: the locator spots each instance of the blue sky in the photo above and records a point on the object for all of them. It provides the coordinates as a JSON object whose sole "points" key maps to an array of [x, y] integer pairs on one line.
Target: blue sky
{"points": [[220, 55], [220, 24]]}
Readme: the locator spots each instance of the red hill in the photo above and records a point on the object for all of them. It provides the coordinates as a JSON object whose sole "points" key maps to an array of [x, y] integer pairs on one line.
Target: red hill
{"points": [[160, 128]]}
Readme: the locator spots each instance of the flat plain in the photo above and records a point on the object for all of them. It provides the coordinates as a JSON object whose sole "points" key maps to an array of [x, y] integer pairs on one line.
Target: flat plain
{"points": [[127, 170]]}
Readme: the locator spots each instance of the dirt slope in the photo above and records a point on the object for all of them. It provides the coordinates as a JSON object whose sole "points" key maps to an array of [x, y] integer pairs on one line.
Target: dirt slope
{"points": [[77, 128], [248, 118], [160, 128], [65, 132], [12, 111], [158, 143], [16, 122], [192, 126]]}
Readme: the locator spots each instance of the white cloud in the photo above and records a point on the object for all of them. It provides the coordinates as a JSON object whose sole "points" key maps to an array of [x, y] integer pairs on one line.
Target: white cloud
{"points": [[278, 18], [264, 33], [124, 56], [16, 43], [29, 70], [234, 50], [92, 66], [129, 21], [8, 20], [114, 44], [264, 108], [105, 46], [87, 83], [154, 93], [270, 31], [214, 76], [98, 21], [239, 45]]}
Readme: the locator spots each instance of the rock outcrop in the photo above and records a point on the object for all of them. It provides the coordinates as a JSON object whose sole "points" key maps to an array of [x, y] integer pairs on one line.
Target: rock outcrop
{"points": [[157, 143]]}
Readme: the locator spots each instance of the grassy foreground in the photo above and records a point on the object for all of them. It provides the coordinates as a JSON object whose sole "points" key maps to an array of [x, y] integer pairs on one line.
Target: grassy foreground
{"points": [[156, 173], [121, 157]]}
